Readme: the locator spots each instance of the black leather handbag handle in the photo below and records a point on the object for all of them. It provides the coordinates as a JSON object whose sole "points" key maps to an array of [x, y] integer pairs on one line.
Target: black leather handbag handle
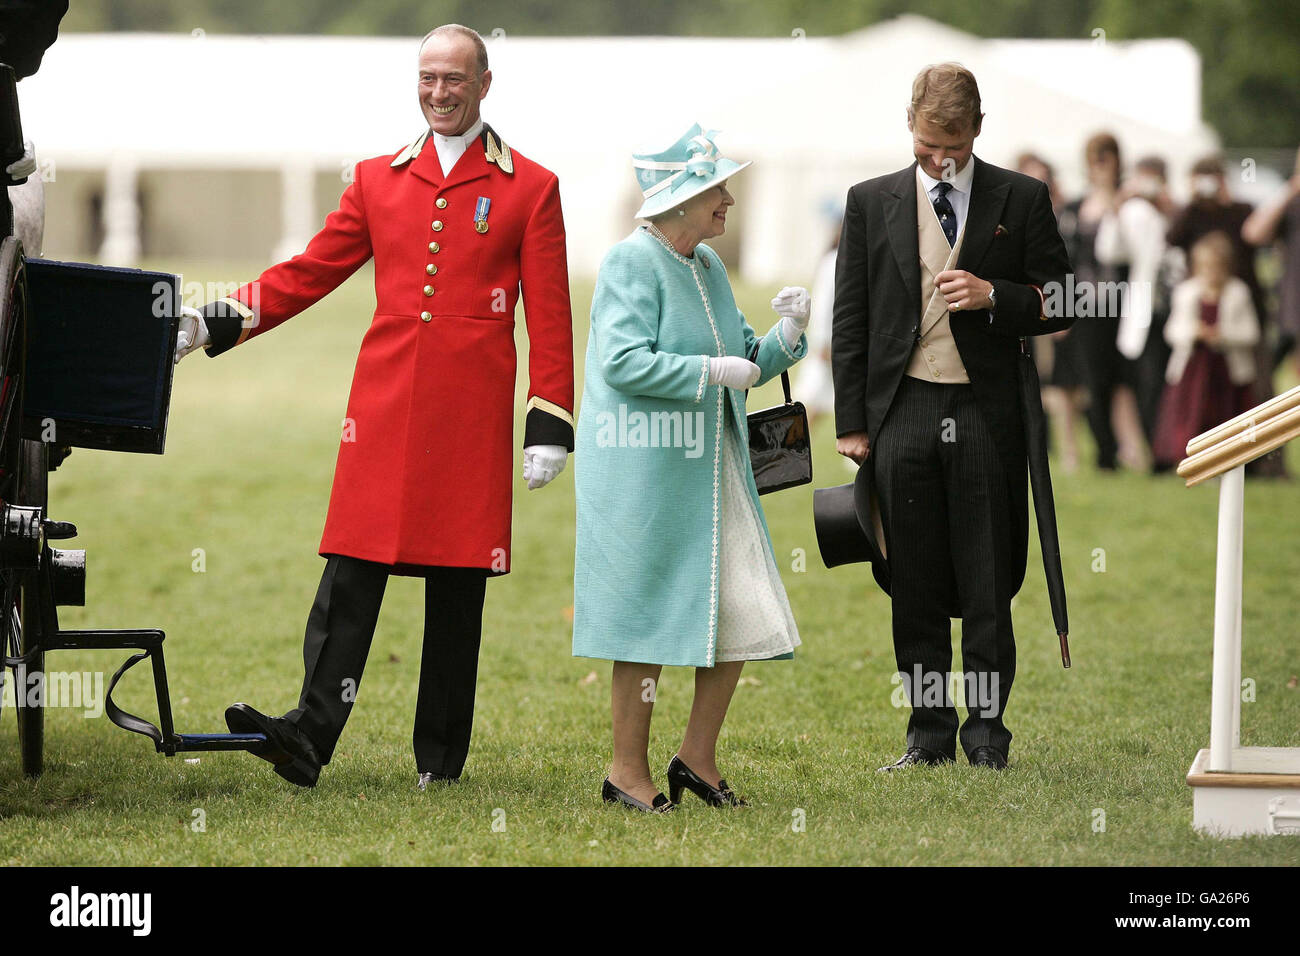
{"points": [[785, 374]]}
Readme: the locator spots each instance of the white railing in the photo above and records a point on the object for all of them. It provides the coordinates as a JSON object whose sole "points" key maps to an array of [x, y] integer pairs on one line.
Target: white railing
{"points": [[1223, 452]]}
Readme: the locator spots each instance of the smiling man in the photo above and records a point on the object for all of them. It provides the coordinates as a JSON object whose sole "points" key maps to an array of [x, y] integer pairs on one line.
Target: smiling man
{"points": [[460, 228], [938, 276]]}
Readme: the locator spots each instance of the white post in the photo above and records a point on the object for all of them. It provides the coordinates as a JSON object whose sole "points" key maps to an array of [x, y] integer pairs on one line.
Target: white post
{"points": [[1236, 676], [121, 213], [1225, 699], [297, 207]]}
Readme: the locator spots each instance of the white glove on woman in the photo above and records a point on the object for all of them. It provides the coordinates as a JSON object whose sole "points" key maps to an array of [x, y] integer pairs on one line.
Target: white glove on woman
{"points": [[193, 333], [733, 371], [542, 463], [794, 306], [24, 166]]}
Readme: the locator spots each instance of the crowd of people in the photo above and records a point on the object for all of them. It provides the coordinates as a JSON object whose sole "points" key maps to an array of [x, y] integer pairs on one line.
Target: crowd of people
{"points": [[1183, 334]]}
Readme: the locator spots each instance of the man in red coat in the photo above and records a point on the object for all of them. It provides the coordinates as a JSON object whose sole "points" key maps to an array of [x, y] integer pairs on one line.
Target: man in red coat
{"points": [[458, 225]]}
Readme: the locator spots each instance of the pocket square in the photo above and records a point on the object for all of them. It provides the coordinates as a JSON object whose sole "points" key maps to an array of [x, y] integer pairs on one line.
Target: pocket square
{"points": [[1001, 230]]}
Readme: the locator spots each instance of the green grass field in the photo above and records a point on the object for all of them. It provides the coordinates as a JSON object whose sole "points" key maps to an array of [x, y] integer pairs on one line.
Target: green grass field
{"points": [[246, 478]]}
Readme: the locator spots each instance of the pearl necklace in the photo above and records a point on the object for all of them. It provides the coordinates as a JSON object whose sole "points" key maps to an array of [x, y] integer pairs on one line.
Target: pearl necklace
{"points": [[667, 244]]}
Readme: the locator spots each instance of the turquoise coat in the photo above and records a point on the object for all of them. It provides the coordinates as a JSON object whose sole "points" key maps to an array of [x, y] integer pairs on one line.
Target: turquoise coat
{"points": [[649, 451]]}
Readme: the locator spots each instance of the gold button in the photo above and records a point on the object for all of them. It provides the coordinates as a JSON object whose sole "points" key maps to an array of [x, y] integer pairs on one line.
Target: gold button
{"points": [[930, 357], [434, 247], [441, 203], [431, 268], [426, 316], [437, 225], [936, 373], [428, 290]]}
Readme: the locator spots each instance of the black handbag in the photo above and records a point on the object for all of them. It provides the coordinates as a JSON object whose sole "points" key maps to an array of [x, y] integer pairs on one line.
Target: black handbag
{"points": [[780, 452]]}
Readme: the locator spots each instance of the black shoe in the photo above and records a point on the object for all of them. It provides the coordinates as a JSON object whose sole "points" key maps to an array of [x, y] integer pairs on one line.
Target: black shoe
{"points": [[989, 757], [288, 749], [917, 755], [681, 776], [612, 794], [429, 777]]}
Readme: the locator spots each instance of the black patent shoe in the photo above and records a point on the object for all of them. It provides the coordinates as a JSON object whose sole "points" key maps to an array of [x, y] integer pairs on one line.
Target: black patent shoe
{"points": [[292, 754], [914, 756], [612, 794], [682, 777], [989, 757]]}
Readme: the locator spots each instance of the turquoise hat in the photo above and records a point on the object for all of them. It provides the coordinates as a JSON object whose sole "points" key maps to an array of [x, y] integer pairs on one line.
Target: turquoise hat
{"points": [[685, 169]]}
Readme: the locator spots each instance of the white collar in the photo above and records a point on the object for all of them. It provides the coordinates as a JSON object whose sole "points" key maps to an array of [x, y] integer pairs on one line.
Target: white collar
{"points": [[462, 141], [961, 182]]}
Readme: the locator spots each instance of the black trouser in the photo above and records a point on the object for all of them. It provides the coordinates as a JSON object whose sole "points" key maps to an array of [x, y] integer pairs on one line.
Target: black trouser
{"points": [[1149, 377], [945, 506], [339, 630], [1102, 368]]}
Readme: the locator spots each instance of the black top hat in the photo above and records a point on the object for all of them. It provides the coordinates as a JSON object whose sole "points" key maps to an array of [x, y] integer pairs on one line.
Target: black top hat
{"points": [[849, 528]]}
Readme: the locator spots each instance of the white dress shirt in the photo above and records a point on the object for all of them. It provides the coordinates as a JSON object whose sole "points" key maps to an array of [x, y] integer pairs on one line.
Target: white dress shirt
{"points": [[958, 196], [452, 148], [1134, 236]]}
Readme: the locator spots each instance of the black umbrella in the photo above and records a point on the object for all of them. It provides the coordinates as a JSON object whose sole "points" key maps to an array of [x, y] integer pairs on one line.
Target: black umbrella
{"points": [[1040, 479]]}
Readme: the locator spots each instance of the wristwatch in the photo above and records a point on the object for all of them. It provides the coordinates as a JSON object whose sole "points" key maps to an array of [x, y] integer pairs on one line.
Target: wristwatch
{"points": [[993, 297]]}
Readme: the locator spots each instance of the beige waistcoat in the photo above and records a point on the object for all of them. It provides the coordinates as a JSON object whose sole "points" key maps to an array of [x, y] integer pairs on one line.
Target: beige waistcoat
{"points": [[935, 358]]}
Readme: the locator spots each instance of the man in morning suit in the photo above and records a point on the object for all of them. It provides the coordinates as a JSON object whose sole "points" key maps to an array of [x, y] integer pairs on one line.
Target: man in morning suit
{"points": [[941, 270], [460, 227]]}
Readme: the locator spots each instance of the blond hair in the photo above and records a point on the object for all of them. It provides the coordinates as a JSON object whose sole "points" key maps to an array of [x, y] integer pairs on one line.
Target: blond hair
{"points": [[946, 95]]}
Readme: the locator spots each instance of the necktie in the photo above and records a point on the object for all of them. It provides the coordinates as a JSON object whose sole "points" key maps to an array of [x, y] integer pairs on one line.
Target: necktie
{"points": [[947, 216]]}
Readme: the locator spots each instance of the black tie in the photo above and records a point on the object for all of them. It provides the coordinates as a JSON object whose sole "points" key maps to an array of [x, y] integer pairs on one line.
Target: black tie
{"points": [[947, 216]]}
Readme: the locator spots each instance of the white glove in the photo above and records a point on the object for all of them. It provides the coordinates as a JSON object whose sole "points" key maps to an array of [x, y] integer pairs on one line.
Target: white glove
{"points": [[542, 463], [25, 166], [793, 303], [193, 333], [733, 371]]}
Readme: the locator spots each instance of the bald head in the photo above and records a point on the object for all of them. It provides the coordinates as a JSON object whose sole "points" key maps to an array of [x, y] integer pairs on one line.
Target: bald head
{"points": [[452, 31]]}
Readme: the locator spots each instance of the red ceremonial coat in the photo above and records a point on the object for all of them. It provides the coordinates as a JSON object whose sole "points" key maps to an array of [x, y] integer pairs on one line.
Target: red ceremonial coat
{"points": [[425, 464]]}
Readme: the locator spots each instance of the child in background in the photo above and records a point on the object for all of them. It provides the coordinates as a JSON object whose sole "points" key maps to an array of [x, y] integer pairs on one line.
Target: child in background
{"points": [[1212, 330]]}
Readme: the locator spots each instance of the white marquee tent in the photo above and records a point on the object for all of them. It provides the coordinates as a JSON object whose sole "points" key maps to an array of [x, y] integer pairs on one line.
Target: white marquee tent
{"points": [[816, 115]]}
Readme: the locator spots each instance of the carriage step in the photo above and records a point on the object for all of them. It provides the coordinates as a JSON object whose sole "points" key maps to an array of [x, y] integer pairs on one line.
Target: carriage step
{"points": [[199, 742], [165, 739]]}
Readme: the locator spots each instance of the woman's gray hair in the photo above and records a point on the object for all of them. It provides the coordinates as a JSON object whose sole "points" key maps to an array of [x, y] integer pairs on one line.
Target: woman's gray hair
{"points": [[455, 29]]}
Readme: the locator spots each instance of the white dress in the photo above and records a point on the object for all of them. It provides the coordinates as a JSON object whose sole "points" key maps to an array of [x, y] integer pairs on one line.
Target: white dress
{"points": [[754, 618]]}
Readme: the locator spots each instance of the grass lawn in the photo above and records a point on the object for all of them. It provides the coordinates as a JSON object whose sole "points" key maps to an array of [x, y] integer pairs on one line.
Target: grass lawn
{"points": [[246, 478]]}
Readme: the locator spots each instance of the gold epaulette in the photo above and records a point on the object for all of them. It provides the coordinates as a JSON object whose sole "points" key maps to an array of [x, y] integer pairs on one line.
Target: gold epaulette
{"points": [[496, 151], [409, 153]]}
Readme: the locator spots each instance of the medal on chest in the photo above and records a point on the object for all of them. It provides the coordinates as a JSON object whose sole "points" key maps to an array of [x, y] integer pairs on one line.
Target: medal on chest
{"points": [[481, 214]]}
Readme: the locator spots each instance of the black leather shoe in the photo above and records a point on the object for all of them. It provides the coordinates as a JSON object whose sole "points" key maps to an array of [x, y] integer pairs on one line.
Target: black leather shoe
{"points": [[989, 757], [682, 777], [917, 755], [429, 777], [292, 754], [612, 794]]}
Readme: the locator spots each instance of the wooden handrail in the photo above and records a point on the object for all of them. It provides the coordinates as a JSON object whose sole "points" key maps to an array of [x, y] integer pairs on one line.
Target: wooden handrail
{"points": [[1240, 440], [1257, 415]]}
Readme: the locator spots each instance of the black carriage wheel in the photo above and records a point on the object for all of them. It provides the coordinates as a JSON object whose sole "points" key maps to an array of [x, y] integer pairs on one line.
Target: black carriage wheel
{"points": [[23, 481], [33, 485]]}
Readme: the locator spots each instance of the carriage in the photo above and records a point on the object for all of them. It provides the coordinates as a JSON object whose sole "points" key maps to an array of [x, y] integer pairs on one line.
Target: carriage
{"points": [[86, 360]]}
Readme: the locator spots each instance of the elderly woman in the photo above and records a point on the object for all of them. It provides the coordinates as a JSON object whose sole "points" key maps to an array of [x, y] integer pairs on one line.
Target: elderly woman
{"points": [[674, 564]]}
